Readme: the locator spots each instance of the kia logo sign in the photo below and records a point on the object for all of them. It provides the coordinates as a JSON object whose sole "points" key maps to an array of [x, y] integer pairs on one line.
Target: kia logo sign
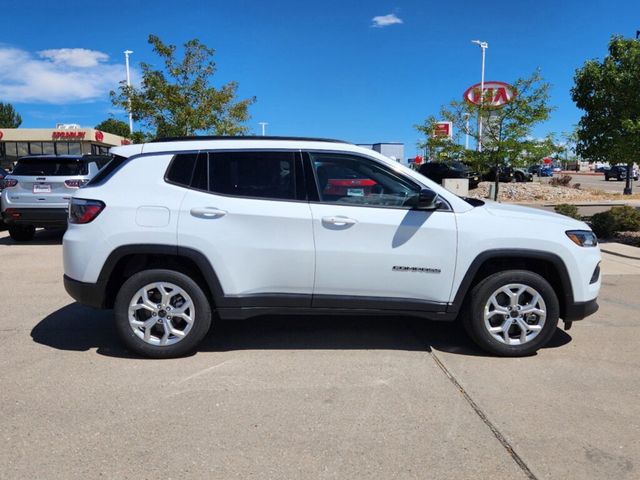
{"points": [[496, 94], [99, 136]]}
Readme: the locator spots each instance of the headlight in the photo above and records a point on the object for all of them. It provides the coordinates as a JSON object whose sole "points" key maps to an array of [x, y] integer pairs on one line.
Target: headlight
{"points": [[583, 238]]}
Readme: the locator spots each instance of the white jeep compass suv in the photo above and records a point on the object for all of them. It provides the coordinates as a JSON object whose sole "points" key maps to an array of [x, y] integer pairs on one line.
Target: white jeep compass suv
{"points": [[171, 232]]}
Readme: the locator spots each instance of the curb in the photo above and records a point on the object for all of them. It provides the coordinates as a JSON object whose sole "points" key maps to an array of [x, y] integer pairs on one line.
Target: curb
{"points": [[617, 254]]}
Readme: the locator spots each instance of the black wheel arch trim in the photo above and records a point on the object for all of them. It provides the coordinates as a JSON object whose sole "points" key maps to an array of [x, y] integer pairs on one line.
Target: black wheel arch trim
{"points": [[516, 253]]}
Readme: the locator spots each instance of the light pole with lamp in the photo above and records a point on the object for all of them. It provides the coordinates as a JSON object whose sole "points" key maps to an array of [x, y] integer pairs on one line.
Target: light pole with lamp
{"points": [[263, 125], [126, 61], [483, 46]]}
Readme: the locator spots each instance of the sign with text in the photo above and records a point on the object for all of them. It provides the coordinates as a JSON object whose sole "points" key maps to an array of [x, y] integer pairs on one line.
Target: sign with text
{"points": [[443, 130], [496, 94], [68, 135]]}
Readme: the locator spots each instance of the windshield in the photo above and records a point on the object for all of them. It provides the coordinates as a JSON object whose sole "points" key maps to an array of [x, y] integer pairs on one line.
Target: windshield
{"points": [[50, 167]]}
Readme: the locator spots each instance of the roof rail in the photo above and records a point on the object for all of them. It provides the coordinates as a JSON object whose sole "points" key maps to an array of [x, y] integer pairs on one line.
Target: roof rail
{"points": [[222, 137]]}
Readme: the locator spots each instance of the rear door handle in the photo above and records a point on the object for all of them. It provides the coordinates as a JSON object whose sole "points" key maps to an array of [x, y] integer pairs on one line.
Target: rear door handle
{"points": [[208, 212], [339, 220]]}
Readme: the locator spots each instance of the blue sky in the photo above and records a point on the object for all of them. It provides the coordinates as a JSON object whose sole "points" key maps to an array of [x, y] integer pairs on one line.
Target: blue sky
{"points": [[316, 68]]}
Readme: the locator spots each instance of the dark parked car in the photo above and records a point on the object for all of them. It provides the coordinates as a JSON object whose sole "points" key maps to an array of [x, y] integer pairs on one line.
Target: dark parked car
{"points": [[438, 171], [505, 174], [619, 172]]}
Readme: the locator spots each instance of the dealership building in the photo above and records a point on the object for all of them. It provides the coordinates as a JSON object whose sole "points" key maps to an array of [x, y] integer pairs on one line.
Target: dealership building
{"points": [[65, 139]]}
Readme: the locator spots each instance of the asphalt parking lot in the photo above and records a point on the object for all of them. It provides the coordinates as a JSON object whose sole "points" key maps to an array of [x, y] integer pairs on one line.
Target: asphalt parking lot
{"points": [[310, 397], [595, 182]]}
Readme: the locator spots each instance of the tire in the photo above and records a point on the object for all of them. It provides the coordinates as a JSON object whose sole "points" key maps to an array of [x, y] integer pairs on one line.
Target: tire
{"points": [[22, 233], [606, 178], [519, 177], [150, 318], [496, 342]]}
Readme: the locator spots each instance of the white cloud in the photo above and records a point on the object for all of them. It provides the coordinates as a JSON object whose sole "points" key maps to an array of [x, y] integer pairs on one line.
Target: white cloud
{"points": [[385, 20], [74, 57], [68, 75]]}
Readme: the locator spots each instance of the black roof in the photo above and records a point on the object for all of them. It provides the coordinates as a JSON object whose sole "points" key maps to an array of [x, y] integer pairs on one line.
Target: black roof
{"points": [[253, 137]]}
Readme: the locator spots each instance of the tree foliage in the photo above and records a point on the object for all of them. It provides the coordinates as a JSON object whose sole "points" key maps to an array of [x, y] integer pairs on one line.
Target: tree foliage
{"points": [[117, 127], [507, 131], [9, 118], [180, 99], [607, 91]]}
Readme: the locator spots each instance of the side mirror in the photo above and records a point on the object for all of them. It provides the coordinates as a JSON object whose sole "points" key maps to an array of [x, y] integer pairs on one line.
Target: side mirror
{"points": [[427, 200]]}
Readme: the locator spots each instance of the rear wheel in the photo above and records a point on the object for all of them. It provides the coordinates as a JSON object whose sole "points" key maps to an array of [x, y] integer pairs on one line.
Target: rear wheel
{"points": [[22, 233], [162, 314], [512, 313]]}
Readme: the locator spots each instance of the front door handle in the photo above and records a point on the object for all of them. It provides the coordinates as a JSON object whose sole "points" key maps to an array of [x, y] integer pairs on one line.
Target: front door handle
{"points": [[207, 212], [339, 220]]}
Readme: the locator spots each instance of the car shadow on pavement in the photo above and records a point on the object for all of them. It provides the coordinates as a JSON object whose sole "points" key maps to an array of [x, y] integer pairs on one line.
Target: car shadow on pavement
{"points": [[76, 327], [43, 237]]}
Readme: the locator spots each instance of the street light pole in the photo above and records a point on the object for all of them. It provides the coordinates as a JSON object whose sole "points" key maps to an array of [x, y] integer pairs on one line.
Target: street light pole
{"points": [[126, 61], [263, 124], [483, 46], [466, 132]]}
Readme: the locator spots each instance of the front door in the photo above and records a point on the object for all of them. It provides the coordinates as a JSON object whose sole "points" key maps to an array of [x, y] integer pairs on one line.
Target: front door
{"points": [[372, 249]]}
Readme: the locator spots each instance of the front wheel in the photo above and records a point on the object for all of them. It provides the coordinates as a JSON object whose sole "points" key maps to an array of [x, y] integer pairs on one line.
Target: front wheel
{"points": [[162, 314], [512, 313], [22, 233]]}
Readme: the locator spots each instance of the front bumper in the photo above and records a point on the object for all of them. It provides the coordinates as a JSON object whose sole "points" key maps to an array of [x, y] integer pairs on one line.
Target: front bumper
{"points": [[580, 310], [38, 217]]}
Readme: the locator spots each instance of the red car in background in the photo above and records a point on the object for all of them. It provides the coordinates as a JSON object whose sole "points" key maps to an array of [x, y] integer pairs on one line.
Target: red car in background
{"points": [[344, 182]]}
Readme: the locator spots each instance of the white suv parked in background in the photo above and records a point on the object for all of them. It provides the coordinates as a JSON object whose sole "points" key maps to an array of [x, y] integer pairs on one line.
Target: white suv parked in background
{"points": [[37, 192], [173, 231]]}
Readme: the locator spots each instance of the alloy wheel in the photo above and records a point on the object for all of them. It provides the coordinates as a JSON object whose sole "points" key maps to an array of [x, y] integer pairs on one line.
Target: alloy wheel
{"points": [[515, 314], [161, 313]]}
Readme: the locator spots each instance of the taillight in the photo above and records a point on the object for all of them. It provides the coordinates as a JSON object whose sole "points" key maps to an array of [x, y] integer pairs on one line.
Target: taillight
{"points": [[8, 182], [13, 213], [75, 183], [84, 211]]}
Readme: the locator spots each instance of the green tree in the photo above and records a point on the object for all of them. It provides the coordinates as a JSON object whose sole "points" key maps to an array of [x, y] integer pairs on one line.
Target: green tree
{"points": [[607, 91], [117, 127], [507, 131], [180, 99], [9, 118]]}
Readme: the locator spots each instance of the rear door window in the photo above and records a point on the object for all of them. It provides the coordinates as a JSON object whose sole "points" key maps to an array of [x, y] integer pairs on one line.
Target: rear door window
{"points": [[50, 167], [253, 174]]}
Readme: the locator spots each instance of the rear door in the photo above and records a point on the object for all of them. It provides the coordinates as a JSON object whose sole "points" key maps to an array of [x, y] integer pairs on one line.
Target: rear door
{"points": [[246, 211], [372, 249]]}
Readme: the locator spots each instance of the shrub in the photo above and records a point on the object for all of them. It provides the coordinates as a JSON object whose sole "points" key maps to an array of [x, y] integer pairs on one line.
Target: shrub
{"points": [[562, 181], [568, 210], [618, 219]]}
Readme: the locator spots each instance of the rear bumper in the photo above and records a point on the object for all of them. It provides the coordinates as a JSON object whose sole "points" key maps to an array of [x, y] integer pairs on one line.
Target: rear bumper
{"points": [[580, 310], [38, 217], [92, 294]]}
